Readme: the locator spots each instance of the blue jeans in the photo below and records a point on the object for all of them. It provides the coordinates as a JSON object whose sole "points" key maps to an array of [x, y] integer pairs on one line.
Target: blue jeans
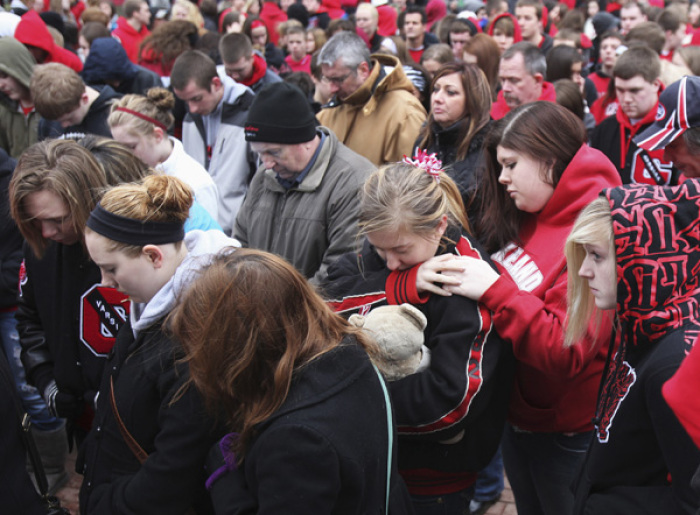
{"points": [[32, 402], [449, 504], [489, 481], [542, 467]]}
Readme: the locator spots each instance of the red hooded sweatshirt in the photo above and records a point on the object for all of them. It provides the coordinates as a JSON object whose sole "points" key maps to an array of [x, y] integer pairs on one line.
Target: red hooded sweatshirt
{"points": [[130, 38], [32, 31], [555, 388], [271, 15], [517, 35]]}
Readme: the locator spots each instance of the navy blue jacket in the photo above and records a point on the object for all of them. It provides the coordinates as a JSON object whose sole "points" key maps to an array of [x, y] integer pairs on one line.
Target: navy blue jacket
{"points": [[107, 63]]}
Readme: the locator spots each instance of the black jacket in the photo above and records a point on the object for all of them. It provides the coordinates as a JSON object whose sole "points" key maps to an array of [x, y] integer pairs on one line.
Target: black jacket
{"points": [[614, 138], [175, 435], [324, 450], [16, 490], [67, 324], [451, 397], [95, 121], [10, 238], [467, 172]]}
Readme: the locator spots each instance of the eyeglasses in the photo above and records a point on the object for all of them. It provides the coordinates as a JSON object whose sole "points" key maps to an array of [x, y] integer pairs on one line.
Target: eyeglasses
{"points": [[336, 80]]}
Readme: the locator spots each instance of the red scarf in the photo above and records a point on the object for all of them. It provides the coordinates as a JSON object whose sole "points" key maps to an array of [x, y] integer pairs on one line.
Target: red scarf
{"points": [[259, 70], [625, 123]]}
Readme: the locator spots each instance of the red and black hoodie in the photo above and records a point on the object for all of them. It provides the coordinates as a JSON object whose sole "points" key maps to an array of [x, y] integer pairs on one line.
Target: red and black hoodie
{"points": [[641, 459]]}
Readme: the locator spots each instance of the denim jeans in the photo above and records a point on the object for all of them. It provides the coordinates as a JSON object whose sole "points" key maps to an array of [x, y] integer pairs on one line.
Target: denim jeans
{"points": [[32, 402], [449, 504], [541, 468], [489, 481]]}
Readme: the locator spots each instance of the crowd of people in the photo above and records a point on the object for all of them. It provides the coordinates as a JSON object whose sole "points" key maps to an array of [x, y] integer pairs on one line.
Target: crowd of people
{"points": [[205, 201]]}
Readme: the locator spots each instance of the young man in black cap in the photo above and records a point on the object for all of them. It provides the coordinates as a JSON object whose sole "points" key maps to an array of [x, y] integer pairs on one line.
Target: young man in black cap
{"points": [[303, 201], [677, 126]]}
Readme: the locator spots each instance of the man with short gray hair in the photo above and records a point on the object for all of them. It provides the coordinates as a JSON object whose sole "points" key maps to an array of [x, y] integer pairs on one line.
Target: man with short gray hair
{"points": [[521, 72], [373, 110]]}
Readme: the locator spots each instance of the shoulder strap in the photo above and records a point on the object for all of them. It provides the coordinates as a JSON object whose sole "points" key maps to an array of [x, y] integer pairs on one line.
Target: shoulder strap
{"points": [[390, 428], [134, 446]]}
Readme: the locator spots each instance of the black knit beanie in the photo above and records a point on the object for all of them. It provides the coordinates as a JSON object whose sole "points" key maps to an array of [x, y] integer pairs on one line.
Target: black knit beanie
{"points": [[280, 113]]}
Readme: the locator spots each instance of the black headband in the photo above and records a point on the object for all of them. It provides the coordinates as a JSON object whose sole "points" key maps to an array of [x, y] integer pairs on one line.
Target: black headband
{"points": [[134, 232]]}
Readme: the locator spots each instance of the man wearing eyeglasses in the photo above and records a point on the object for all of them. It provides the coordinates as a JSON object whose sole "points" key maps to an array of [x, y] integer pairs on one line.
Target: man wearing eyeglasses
{"points": [[373, 110]]}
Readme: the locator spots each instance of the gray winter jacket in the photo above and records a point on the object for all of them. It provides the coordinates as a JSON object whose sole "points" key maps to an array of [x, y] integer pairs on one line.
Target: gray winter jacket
{"points": [[314, 223]]}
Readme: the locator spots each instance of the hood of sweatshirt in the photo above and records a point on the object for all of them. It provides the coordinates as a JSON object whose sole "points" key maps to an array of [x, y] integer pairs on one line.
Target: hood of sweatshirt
{"points": [[589, 171], [657, 245], [32, 30], [201, 247], [107, 61], [517, 35], [16, 61]]}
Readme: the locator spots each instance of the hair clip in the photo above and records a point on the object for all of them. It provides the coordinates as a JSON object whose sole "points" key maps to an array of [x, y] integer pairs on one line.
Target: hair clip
{"points": [[428, 162]]}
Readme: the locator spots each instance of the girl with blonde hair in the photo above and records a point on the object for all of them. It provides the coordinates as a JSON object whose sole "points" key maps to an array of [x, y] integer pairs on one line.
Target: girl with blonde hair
{"points": [[451, 413], [141, 123], [150, 436], [633, 253]]}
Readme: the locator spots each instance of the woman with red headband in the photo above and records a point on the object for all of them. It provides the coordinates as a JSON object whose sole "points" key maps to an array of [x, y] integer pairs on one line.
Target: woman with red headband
{"points": [[141, 123]]}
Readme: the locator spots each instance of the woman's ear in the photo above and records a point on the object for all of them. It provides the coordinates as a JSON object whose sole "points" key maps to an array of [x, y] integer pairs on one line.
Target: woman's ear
{"points": [[158, 134], [154, 254], [442, 226]]}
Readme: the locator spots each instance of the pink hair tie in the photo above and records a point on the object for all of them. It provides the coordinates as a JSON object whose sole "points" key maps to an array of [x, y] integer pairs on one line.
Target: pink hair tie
{"points": [[428, 162], [143, 117]]}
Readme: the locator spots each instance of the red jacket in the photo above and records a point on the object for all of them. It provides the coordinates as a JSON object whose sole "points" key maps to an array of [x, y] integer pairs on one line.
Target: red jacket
{"points": [[130, 38], [500, 108], [32, 31], [681, 393], [555, 388], [299, 66], [271, 15]]}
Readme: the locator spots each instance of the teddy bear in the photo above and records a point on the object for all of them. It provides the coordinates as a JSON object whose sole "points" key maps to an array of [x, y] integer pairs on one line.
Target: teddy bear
{"points": [[398, 331]]}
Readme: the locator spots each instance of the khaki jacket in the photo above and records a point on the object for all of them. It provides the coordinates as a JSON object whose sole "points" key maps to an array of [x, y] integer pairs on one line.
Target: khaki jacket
{"points": [[382, 119]]}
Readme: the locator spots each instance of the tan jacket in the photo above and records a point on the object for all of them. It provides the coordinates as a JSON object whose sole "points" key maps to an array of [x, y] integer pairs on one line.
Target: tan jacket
{"points": [[382, 122]]}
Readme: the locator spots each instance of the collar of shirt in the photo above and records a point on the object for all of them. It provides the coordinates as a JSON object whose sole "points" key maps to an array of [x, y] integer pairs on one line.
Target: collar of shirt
{"points": [[289, 184]]}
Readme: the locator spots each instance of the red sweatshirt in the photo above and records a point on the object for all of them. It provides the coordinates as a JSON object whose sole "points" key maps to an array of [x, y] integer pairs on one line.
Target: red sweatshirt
{"points": [[130, 38], [555, 388], [32, 31]]}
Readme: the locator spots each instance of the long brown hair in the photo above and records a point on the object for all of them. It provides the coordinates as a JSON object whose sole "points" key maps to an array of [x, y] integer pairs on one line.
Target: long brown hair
{"points": [[247, 323], [477, 106], [527, 130], [63, 168]]}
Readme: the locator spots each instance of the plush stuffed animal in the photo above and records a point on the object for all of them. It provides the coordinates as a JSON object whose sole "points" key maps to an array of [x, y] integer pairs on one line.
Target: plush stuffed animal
{"points": [[398, 330]]}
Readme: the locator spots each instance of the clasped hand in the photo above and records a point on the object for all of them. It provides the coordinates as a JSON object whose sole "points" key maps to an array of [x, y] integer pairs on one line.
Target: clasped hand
{"points": [[449, 274]]}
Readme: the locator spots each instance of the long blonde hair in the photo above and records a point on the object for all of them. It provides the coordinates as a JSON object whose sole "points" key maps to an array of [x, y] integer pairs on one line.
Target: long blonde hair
{"points": [[593, 226], [400, 196]]}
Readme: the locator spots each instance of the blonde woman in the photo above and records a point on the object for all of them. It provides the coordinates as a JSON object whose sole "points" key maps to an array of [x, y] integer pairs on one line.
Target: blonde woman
{"points": [[633, 255]]}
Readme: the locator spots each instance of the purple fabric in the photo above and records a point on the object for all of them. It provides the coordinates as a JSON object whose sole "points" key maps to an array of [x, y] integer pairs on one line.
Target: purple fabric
{"points": [[229, 456]]}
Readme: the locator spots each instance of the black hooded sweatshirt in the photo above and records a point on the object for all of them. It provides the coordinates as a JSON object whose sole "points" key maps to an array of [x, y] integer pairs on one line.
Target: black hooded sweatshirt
{"points": [[641, 459]]}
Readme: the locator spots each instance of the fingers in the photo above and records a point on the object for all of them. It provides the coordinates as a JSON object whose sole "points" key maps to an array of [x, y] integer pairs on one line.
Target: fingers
{"points": [[432, 288]]}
